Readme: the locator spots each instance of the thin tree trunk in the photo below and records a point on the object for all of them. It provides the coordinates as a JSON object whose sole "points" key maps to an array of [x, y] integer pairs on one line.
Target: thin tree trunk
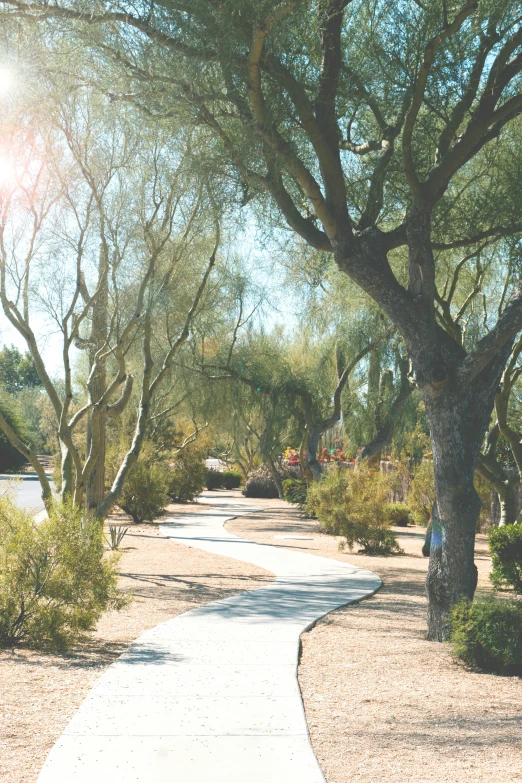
{"points": [[385, 423], [312, 446], [505, 486], [95, 490], [276, 476], [67, 490], [29, 454], [111, 498], [508, 506]]}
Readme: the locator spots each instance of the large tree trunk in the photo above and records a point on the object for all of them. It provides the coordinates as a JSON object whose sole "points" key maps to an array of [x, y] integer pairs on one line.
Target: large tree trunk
{"points": [[458, 403], [458, 421]]}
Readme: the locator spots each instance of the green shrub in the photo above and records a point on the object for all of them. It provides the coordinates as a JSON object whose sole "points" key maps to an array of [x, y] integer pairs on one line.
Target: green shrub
{"points": [[421, 493], [231, 479], [399, 514], [505, 544], [260, 484], [351, 503], [188, 472], [488, 634], [55, 579], [116, 535], [145, 492], [215, 479], [10, 458], [295, 491]]}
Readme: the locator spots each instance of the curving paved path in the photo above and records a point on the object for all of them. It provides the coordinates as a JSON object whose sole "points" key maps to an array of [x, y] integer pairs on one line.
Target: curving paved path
{"points": [[212, 695]]}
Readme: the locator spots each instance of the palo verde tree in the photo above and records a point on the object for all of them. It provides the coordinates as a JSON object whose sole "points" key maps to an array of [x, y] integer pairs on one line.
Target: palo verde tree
{"points": [[94, 247], [299, 380], [377, 131]]}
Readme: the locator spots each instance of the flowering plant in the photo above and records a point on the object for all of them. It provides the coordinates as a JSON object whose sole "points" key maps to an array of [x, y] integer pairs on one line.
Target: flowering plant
{"points": [[332, 455], [291, 457]]}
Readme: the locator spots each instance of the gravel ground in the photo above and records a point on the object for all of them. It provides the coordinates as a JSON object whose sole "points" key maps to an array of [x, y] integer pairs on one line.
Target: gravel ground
{"points": [[40, 692], [383, 704]]}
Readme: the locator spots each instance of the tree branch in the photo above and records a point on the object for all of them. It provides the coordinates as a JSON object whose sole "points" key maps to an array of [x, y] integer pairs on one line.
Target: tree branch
{"points": [[506, 328], [418, 93]]}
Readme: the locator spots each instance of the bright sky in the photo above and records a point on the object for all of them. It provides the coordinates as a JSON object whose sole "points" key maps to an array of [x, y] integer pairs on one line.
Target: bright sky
{"points": [[260, 261]]}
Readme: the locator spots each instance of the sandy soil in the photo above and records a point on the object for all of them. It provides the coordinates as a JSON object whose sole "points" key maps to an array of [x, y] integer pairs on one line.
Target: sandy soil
{"points": [[40, 692], [383, 704]]}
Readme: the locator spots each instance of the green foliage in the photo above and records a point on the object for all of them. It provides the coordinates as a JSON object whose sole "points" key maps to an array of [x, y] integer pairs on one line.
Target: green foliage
{"points": [[188, 472], [483, 490], [226, 479], [260, 484], [487, 634], [55, 580], [505, 544], [231, 479], [145, 492], [10, 457], [295, 491], [214, 479], [116, 535], [351, 503], [17, 371], [399, 514], [421, 492]]}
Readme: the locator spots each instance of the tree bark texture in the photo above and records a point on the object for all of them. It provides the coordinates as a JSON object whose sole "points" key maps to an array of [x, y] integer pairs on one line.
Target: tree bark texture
{"points": [[458, 411], [312, 446], [458, 420], [95, 490]]}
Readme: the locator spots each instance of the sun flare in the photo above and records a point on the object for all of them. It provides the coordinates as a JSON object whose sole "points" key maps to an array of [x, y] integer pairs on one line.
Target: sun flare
{"points": [[6, 80], [7, 171]]}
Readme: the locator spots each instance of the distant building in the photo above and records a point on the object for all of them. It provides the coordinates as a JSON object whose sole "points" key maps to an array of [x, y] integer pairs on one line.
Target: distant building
{"points": [[213, 463]]}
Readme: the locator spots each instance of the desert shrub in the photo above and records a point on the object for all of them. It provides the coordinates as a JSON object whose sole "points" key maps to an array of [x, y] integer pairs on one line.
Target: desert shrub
{"points": [[56, 472], [505, 544], [260, 484], [488, 634], [145, 492], [483, 490], [188, 472], [231, 479], [421, 493], [399, 514], [10, 458], [55, 579], [351, 503], [295, 491], [214, 479], [116, 535]]}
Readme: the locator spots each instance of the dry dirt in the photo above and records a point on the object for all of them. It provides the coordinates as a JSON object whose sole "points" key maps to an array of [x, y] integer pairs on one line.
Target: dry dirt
{"points": [[40, 692], [383, 704]]}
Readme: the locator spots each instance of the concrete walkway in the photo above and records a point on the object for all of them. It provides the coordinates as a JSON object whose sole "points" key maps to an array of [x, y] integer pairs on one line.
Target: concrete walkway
{"points": [[212, 695]]}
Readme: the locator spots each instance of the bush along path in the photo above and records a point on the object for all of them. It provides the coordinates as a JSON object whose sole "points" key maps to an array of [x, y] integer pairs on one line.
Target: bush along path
{"points": [[212, 694]]}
